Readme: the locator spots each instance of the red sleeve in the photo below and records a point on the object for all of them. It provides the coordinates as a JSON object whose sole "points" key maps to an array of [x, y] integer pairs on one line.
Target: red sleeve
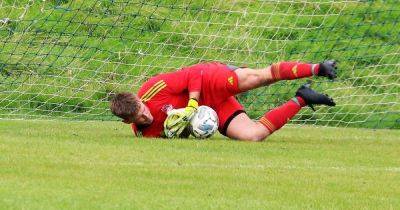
{"points": [[187, 79], [195, 80]]}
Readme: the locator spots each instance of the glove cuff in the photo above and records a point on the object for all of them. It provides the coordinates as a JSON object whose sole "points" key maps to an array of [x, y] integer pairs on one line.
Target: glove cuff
{"points": [[193, 103]]}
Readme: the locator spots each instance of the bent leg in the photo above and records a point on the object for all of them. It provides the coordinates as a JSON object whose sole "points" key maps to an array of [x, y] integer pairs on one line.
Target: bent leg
{"points": [[243, 128]]}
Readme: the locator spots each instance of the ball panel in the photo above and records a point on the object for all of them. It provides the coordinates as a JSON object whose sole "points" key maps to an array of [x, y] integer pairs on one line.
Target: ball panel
{"points": [[204, 123]]}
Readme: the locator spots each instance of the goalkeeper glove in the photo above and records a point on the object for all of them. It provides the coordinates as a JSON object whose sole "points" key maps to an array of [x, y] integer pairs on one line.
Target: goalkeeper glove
{"points": [[177, 121], [189, 111], [170, 129]]}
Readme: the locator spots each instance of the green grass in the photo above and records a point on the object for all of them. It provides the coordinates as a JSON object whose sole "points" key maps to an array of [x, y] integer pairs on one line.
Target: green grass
{"points": [[86, 165]]}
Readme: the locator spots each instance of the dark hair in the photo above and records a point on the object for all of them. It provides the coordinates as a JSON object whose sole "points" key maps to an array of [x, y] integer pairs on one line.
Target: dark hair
{"points": [[124, 105]]}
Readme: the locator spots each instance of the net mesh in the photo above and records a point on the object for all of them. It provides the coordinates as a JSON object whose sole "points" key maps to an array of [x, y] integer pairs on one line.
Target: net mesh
{"points": [[65, 59]]}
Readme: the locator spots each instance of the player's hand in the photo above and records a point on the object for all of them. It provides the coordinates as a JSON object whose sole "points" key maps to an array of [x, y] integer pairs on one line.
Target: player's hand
{"points": [[190, 110], [176, 130], [172, 127], [177, 121], [188, 113]]}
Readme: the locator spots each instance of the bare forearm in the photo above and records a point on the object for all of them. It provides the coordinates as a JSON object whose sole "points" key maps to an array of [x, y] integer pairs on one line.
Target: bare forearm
{"points": [[195, 95]]}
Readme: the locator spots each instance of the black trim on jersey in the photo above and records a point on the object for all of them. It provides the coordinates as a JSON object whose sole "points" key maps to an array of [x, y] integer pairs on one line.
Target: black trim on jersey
{"points": [[230, 119], [231, 67]]}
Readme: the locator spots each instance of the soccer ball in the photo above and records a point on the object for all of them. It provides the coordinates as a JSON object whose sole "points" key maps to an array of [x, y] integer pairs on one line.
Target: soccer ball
{"points": [[204, 123]]}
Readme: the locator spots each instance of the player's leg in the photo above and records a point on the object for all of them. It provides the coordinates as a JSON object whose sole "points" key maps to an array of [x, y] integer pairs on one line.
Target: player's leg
{"points": [[253, 78], [235, 124], [243, 128]]}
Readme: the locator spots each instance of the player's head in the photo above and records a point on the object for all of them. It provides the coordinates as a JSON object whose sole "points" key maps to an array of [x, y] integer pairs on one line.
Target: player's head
{"points": [[130, 109]]}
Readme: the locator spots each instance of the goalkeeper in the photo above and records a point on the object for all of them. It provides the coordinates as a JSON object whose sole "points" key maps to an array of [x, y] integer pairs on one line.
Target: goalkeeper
{"points": [[215, 84]]}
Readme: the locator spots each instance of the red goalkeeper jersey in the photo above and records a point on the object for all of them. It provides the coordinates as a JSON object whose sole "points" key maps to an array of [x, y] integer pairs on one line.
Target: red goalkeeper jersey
{"points": [[215, 81]]}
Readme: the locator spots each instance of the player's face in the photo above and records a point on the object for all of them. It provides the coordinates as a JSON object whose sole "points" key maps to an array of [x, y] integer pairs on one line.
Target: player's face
{"points": [[143, 116]]}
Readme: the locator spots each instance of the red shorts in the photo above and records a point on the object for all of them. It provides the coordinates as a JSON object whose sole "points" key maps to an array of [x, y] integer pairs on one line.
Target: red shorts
{"points": [[218, 89], [226, 111]]}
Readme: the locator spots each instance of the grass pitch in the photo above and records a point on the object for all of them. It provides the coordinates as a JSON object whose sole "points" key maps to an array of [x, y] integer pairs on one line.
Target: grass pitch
{"points": [[76, 165]]}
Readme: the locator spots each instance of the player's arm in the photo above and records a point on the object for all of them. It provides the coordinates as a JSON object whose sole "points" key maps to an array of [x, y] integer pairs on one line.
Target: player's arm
{"points": [[194, 88], [176, 123], [195, 95], [189, 80], [191, 107], [194, 83]]}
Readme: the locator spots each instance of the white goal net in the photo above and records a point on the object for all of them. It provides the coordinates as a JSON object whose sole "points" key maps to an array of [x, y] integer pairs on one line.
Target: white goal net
{"points": [[64, 59]]}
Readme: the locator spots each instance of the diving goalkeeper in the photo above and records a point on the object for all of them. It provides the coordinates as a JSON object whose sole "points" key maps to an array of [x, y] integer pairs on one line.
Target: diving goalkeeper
{"points": [[215, 84]]}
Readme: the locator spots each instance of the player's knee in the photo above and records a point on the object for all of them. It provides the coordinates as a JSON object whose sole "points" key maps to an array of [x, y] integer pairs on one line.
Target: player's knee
{"points": [[254, 138], [254, 135], [258, 137], [245, 129]]}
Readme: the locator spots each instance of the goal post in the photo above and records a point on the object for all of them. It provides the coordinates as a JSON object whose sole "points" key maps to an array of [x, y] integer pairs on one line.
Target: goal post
{"points": [[64, 59]]}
